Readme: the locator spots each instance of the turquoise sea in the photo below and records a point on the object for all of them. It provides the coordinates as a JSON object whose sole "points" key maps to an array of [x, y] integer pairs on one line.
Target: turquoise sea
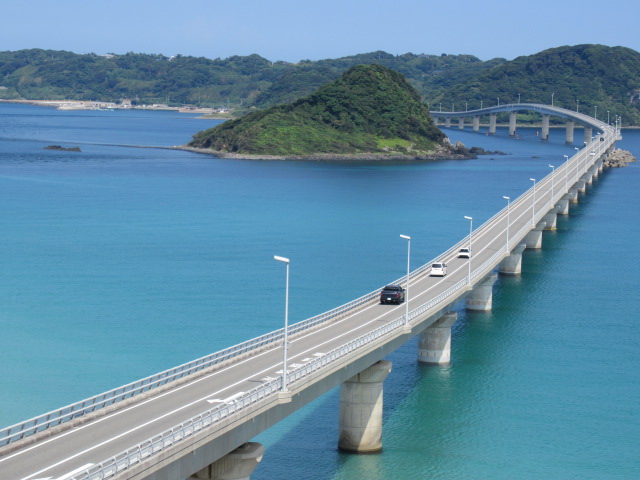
{"points": [[118, 262]]}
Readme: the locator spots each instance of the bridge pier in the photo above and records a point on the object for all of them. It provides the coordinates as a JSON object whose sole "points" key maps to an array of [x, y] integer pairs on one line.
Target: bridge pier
{"points": [[481, 297], [436, 121], [573, 195], [434, 343], [563, 205], [582, 185], [588, 133], [447, 122], [533, 239], [236, 465], [545, 127], [551, 219], [476, 123], [512, 264], [461, 123], [492, 123], [361, 410], [570, 126], [512, 123]]}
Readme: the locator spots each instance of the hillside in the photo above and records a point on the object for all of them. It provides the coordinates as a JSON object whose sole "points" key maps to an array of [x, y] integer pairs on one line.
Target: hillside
{"points": [[236, 82], [370, 109], [582, 76], [597, 76]]}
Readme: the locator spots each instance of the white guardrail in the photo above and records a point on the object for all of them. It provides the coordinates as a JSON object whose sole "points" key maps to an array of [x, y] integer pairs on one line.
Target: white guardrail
{"points": [[136, 454]]}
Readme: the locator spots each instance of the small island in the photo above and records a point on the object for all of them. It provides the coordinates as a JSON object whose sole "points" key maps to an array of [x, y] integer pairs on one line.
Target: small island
{"points": [[62, 149], [369, 113]]}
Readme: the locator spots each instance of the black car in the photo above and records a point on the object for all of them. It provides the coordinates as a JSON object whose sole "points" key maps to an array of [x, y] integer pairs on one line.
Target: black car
{"points": [[392, 294]]}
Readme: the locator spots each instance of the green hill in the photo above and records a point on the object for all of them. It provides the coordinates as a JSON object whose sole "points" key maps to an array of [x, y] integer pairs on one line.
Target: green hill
{"points": [[580, 77], [369, 109]]}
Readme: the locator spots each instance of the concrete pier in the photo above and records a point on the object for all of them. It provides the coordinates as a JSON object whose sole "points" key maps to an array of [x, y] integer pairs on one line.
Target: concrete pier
{"points": [[588, 133], [492, 123], [361, 410], [237, 465], [461, 123], [512, 265], [551, 219], [573, 195], [512, 123], [434, 343], [582, 185], [447, 122], [570, 127], [476, 123], [481, 297], [533, 239], [545, 127], [563, 205]]}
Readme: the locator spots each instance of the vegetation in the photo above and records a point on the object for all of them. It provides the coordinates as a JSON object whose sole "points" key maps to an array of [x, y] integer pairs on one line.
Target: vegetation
{"points": [[590, 78], [236, 82], [369, 109], [582, 76]]}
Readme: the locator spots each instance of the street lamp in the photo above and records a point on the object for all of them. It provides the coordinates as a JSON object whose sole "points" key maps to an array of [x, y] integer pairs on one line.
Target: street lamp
{"points": [[480, 104], [470, 255], [566, 171], [286, 323], [577, 105], [518, 98], [596, 112], [533, 211], [508, 199], [553, 171], [406, 297], [607, 117], [552, 99]]}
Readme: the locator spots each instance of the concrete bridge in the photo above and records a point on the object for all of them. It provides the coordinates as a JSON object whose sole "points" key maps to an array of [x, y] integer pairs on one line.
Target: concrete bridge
{"points": [[545, 111], [197, 420]]}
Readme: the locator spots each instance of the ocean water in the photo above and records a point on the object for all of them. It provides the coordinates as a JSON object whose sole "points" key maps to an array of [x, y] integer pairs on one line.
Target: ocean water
{"points": [[118, 262]]}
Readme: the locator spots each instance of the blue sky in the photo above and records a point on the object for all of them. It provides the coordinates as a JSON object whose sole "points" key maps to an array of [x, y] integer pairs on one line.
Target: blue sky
{"points": [[294, 30]]}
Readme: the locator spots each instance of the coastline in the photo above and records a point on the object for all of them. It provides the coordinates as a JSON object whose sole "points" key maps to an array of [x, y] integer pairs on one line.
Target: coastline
{"points": [[335, 157]]}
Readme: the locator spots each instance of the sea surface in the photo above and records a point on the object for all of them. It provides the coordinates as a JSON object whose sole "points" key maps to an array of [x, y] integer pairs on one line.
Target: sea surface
{"points": [[117, 262]]}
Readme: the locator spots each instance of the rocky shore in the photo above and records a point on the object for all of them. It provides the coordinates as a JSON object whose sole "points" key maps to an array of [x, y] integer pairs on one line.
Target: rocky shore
{"points": [[619, 158], [447, 152]]}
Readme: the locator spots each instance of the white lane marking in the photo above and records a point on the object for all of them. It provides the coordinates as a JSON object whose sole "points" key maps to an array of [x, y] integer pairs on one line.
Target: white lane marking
{"points": [[67, 475]]}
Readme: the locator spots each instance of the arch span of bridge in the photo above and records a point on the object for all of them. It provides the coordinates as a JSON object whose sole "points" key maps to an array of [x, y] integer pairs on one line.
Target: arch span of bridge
{"points": [[545, 111], [194, 421]]}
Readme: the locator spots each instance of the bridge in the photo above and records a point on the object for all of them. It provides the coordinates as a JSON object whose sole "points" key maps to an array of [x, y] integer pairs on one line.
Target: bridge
{"points": [[545, 111], [197, 420]]}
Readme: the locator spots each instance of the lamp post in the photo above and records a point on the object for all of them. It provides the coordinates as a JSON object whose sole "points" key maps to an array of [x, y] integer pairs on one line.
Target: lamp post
{"points": [[470, 255], [286, 324], [596, 112], [566, 172], [518, 98], [577, 105], [480, 104], [508, 199], [533, 208], [553, 171], [406, 297], [607, 117], [552, 99]]}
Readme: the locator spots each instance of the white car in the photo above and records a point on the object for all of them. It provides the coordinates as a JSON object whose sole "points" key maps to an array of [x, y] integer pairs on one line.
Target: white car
{"points": [[464, 253], [438, 269]]}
